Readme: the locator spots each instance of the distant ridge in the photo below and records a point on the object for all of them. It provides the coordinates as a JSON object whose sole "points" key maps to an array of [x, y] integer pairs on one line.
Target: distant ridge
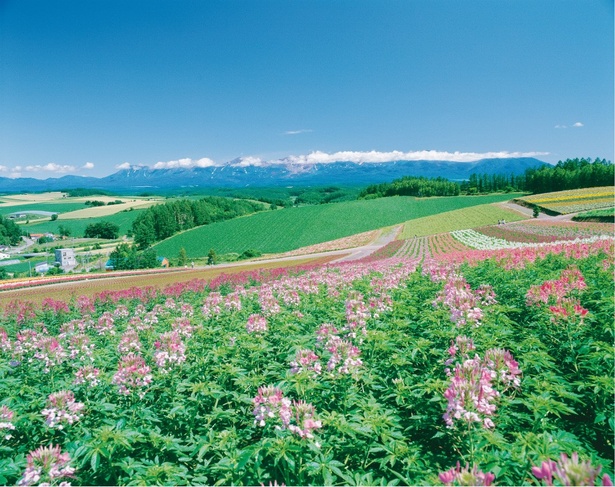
{"points": [[233, 174]]}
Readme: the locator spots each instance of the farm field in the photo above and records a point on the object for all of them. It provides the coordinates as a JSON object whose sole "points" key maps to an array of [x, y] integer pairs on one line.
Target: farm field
{"points": [[365, 373], [77, 226], [573, 201], [288, 229], [474, 216], [539, 231]]}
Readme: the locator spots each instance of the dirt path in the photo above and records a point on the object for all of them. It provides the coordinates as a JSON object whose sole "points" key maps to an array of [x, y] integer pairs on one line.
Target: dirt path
{"points": [[524, 210]]}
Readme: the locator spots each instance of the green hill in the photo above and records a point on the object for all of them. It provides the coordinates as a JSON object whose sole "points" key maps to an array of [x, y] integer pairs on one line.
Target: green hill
{"points": [[288, 229]]}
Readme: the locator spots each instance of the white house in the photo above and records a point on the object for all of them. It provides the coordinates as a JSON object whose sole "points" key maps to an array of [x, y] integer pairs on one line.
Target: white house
{"points": [[4, 256], [66, 258]]}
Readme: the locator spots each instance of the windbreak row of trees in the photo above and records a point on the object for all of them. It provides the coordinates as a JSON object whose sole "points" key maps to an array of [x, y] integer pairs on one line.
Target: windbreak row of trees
{"points": [[569, 174], [412, 186], [162, 221]]}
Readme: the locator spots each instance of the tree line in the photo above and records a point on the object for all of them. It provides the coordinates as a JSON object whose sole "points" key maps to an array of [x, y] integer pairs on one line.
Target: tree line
{"points": [[412, 186], [162, 221], [569, 174]]}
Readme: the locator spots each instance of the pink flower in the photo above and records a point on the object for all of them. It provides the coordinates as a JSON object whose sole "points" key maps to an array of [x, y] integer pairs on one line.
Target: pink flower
{"points": [[45, 464], [256, 324], [569, 471], [132, 374], [465, 476], [62, 409]]}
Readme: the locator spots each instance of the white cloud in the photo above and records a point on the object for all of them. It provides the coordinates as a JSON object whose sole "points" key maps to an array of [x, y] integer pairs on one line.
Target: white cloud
{"points": [[371, 157], [15, 174], [125, 165], [185, 163], [295, 132], [558, 126], [4, 168], [51, 167], [250, 161], [88, 165], [578, 124]]}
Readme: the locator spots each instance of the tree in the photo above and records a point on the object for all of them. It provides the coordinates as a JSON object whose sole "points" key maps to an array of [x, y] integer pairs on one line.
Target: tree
{"points": [[54, 217], [107, 230], [64, 231], [211, 257], [182, 258], [536, 211]]}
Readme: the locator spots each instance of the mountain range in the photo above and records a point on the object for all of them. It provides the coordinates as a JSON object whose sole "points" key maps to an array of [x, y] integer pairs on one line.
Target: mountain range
{"points": [[235, 174]]}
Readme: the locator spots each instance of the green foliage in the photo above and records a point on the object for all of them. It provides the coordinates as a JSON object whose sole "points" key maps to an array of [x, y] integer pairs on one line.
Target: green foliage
{"points": [[606, 215], [94, 203], [412, 186], [82, 192], [182, 257], [10, 232], [212, 259], [64, 231], [569, 174], [162, 221], [54, 217], [126, 257], [103, 229], [536, 211], [250, 254]]}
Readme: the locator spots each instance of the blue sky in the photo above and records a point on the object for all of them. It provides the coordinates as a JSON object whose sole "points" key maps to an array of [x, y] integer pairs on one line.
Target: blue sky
{"points": [[89, 86]]}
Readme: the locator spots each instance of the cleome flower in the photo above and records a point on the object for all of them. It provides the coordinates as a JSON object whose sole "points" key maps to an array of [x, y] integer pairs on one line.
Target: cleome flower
{"points": [[271, 407], [6, 421], [132, 374], [465, 476], [256, 324], [569, 471], [62, 409], [45, 465]]}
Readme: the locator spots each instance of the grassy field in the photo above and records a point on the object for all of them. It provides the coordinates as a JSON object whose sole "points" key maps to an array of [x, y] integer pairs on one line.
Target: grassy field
{"points": [[124, 219], [574, 200], [475, 216], [288, 229]]}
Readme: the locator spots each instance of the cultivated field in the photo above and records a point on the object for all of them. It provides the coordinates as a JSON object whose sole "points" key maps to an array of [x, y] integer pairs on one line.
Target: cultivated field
{"points": [[288, 229], [575, 200], [475, 216]]}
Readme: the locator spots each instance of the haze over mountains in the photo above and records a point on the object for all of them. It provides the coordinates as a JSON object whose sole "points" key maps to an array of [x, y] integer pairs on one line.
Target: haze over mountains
{"points": [[237, 173]]}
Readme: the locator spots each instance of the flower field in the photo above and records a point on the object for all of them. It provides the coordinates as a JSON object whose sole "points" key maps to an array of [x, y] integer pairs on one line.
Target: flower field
{"points": [[539, 231], [387, 371], [575, 200]]}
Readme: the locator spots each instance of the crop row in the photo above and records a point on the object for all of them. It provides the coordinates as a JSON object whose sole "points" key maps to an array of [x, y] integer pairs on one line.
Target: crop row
{"points": [[363, 373], [538, 231]]}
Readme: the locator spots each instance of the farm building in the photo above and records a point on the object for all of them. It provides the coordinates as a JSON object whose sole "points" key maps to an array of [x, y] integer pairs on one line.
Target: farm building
{"points": [[66, 258], [4, 256], [163, 261]]}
